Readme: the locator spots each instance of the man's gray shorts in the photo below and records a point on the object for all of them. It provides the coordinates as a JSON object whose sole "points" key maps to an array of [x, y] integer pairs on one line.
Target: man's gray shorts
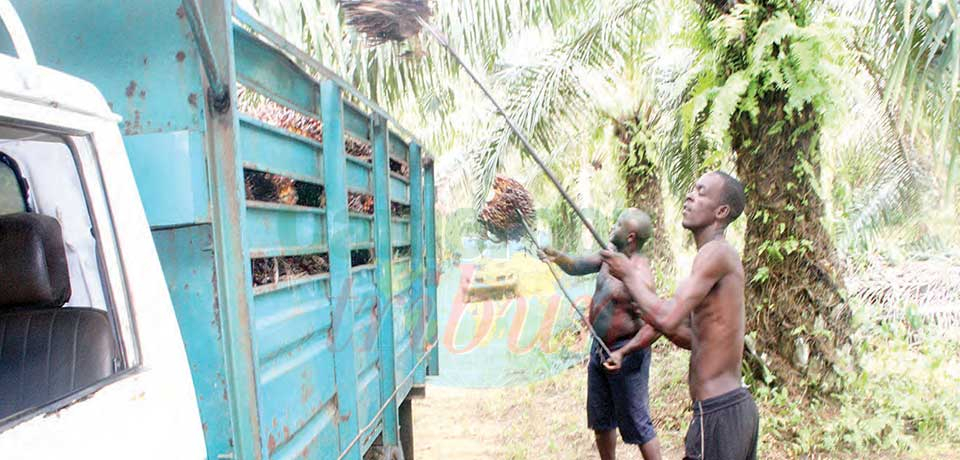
{"points": [[620, 400]]}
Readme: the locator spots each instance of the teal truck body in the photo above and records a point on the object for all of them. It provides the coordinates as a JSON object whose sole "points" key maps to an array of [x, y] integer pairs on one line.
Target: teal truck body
{"points": [[310, 366]]}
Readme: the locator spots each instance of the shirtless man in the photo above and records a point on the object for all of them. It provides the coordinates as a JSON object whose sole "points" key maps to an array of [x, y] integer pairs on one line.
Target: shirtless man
{"points": [[706, 316], [617, 396]]}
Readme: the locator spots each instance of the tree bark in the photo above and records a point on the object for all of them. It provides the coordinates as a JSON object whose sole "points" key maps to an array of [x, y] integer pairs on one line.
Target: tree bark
{"points": [[794, 290], [794, 300], [644, 191]]}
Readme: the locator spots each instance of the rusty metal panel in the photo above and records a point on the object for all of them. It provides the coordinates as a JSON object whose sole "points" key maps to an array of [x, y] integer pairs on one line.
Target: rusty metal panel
{"points": [[143, 60], [364, 292], [338, 233], [384, 274], [417, 253], [188, 267], [293, 326]]}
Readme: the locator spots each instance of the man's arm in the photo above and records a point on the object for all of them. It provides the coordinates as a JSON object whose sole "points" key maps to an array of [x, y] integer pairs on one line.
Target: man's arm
{"points": [[576, 266], [682, 335], [645, 337], [667, 315]]}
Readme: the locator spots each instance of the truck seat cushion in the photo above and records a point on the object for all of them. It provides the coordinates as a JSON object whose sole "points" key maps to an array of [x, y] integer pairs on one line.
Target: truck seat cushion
{"points": [[48, 354], [33, 262]]}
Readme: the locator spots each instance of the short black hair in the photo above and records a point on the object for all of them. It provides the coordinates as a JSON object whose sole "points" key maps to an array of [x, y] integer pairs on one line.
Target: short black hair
{"points": [[732, 195]]}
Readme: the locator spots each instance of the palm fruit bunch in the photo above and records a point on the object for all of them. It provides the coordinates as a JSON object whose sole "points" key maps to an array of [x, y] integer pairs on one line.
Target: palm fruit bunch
{"points": [[499, 216], [261, 186], [361, 257], [309, 194], [264, 269], [360, 203], [292, 267], [359, 149], [272, 113], [386, 20], [401, 252], [399, 167], [399, 209]]}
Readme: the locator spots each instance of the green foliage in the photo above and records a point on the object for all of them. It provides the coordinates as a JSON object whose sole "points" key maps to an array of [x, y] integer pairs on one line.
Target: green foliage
{"points": [[546, 96], [913, 46], [758, 54], [905, 392], [564, 226]]}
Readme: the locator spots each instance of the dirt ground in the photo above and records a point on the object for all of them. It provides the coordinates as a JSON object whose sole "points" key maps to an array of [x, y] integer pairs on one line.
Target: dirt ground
{"points": [[457, 423], [541, 420], [547, 420]]}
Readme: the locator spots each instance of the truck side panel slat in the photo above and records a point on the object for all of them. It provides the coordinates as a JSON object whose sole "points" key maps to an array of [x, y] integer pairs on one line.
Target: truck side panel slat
{"points": [[277, 150], [399, 191], [356, 122], [358, 177], [277, 228], [270, 72]]}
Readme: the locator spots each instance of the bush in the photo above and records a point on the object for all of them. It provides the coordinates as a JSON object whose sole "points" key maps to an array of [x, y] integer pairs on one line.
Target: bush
{"points": [[906, 392]]}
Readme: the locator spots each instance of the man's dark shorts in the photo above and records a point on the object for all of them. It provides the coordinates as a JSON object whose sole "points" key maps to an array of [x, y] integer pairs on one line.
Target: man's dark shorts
{"points": [[724, 428], [620, 400]]}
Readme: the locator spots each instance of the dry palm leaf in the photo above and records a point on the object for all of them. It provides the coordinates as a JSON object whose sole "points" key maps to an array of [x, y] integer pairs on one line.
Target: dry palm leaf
{"points": [[386, 20]]}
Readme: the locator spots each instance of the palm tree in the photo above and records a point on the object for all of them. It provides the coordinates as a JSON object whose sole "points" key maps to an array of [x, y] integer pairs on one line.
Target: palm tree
{"points": [[763, 92], [588, 88], [915, 56], [772, 87]]}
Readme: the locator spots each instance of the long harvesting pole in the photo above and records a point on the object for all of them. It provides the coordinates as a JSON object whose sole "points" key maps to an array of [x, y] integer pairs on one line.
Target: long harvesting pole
{"points": [[516, 130], [566, 294]]}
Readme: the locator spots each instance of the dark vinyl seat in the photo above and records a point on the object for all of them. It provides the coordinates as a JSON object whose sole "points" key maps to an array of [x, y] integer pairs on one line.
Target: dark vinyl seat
{"points": [[47, 351]]}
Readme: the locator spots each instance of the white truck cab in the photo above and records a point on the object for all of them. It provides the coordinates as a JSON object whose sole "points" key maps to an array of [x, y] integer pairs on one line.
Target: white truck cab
{"points": [[92, 364]]}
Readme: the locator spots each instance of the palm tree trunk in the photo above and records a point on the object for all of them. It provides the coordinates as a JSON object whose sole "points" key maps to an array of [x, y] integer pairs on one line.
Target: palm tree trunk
{"points": [[641, 178], [794, 290], [794, 300]]}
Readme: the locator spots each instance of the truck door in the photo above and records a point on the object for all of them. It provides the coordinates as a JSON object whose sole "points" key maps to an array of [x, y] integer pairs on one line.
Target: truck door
{"points": [[91, 360]]}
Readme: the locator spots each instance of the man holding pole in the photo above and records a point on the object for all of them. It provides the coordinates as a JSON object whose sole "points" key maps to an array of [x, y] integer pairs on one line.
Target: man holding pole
{"points": [[617, 394], [706, 316]]}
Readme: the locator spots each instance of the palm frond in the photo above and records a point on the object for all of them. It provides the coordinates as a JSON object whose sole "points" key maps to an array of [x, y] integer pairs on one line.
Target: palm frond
{"points": [[544, 97], [915, 45]]}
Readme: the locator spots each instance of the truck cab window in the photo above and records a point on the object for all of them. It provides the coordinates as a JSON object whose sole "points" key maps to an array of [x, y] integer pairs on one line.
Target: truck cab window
{"points": [[13, 193], [57, 328]]}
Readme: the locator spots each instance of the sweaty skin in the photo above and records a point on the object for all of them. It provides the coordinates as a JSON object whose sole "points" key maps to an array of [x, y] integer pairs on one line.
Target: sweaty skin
{"points": [[706, 313]]}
